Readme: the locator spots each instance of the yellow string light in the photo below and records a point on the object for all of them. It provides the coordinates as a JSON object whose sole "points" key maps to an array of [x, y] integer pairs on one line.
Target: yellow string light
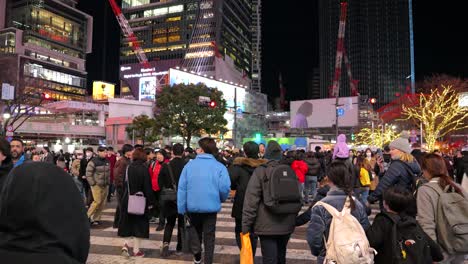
{"points": [[439, 113]]}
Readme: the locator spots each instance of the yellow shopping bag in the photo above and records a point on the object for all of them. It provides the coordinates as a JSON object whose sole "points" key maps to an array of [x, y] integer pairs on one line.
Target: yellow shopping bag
{"points": [[246, 256]]}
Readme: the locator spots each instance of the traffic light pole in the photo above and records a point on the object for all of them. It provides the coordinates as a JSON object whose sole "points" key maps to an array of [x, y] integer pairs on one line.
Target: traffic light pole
{"points": [[234, 126]]}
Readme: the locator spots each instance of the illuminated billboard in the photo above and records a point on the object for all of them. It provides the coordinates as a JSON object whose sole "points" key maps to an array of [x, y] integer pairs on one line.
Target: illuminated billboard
{"points": [[322, 113], [103, 90], [147, 88], [144, 82], [228, 89]]}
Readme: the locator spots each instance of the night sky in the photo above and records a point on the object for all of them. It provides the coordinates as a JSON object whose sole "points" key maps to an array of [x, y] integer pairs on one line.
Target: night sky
{"points": [[290, 42]]}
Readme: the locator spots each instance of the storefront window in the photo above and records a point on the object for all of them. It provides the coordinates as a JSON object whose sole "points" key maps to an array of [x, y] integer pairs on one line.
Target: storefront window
{"points": [[7, 42], [37, 71]]}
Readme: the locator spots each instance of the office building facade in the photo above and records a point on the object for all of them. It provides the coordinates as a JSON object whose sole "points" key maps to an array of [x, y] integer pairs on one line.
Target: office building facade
{"points": [[44, 43], [378, 42], [219, 38]]}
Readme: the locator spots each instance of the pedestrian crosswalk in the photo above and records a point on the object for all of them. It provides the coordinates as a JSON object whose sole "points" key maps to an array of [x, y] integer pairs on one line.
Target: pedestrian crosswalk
{"points": [[106, 245]]}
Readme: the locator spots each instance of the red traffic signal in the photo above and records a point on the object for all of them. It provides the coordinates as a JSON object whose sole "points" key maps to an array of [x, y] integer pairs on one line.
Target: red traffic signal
{"points": [[212, 104], [46, 96], [373, 100]]}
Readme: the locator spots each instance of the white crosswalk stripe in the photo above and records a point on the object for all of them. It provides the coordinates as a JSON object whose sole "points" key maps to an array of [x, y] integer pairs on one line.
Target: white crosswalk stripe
{"points": [[106, 244]]}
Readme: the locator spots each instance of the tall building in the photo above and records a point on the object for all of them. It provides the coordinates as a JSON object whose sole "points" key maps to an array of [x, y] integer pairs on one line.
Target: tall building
{"points": [[219, 38], [378, 42], [43, 44]]}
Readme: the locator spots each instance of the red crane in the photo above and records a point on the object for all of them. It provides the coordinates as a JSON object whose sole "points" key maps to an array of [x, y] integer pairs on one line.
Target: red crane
{"points": [[340, 53], [128, 34]]}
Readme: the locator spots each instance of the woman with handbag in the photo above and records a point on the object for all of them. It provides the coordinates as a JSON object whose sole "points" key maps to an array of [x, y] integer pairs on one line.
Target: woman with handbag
{"points": [[136, 201], [168, 182]]}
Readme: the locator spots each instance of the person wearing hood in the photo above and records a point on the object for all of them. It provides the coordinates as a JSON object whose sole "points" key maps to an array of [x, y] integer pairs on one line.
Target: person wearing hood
{"points": [[273, 151], [43, 220], [6, 163], [402, 171], [274, 230], [240, 173], [341, 149]]}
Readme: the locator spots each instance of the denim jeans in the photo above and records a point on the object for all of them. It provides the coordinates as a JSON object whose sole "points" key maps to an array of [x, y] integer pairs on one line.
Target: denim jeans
{"points": [[274, 248], [310, 187], [362, 194]]}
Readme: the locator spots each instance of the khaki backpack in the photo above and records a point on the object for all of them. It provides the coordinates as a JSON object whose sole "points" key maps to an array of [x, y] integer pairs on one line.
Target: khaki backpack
{"points": [[347, 242], [451, 220]]}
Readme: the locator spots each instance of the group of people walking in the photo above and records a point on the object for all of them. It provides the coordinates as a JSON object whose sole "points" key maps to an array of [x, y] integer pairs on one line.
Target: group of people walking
{"points": [[423, 218]]}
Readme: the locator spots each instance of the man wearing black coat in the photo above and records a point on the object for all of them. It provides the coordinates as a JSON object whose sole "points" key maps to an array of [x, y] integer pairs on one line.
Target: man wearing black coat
{"points": [[240, 173], [168, 180]]}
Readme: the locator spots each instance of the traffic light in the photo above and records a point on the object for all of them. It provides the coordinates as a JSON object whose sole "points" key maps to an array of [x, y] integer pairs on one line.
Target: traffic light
{"points": [[46, 96], [212, 104], [352, 137], [258, 137], [373, 100]]}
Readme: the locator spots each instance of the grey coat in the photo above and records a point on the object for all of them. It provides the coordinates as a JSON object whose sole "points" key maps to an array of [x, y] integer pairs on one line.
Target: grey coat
{"points": [[256, 217], [427, 201]]}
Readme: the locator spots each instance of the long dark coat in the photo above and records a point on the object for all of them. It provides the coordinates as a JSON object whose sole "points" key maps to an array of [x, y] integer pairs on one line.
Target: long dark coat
{"points": [[140, 181], [165, 181]]}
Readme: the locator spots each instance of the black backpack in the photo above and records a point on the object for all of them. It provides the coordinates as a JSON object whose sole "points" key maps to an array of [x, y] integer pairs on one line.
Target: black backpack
{"points": [[410, 243], [280, 186]]}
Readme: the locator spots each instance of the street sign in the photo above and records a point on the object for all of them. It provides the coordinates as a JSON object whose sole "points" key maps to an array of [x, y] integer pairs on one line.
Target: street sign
{"points": [[8, 91], [9, 128], [9, 139], [9, 133], [340, 112], [239, 114]]}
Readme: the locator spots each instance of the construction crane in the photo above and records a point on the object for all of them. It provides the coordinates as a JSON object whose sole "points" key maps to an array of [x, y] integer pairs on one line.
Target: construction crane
{"points": [[340, 53], [129, 34]]}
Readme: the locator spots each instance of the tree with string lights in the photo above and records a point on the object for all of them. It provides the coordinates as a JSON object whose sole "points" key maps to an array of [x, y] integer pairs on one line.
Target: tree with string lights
{"points": [[376, 137], [439, 113]]}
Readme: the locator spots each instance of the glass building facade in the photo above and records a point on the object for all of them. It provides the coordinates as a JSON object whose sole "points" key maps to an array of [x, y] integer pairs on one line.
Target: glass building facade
{"points": [[377, 42], [54, 38], [195, 32]]}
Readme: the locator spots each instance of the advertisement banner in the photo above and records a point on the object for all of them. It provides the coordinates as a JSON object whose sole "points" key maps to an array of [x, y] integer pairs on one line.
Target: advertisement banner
{"points": [[103, 90], [322, 113]]}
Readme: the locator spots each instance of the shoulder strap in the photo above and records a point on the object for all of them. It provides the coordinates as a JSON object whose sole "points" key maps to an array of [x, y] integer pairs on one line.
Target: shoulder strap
{"points": [[172, 175], [439, 190], [126, 178], [330, 209]]}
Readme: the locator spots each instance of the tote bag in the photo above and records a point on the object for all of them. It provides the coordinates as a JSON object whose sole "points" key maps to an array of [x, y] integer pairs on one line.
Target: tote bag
{"points": [[136, 202]]}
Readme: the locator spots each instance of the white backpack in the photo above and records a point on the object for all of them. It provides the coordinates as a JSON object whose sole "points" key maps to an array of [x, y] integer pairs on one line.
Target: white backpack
{"points": [[347, 242]]}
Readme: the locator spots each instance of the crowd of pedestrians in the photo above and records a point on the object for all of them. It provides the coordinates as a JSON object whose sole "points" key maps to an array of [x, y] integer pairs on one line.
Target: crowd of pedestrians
{"points": [[423, 205]]}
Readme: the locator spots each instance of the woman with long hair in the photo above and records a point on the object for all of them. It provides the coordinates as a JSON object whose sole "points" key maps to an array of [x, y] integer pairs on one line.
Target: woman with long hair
{"points": [[341, 185], [136, 179], [435, 171]]}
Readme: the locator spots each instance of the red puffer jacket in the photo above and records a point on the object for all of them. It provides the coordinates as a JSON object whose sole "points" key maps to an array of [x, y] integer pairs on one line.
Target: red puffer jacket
{"points": [[300, 168], [154, 170]]}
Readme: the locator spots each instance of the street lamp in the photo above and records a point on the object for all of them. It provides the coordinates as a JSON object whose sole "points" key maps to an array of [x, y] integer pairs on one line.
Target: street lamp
{"points": [[67, 140], [394, 127], [6, 115]]}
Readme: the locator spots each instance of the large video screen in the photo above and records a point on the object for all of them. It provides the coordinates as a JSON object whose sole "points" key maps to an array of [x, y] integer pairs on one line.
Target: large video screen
{"points": [[322, 112], [228, 90]]}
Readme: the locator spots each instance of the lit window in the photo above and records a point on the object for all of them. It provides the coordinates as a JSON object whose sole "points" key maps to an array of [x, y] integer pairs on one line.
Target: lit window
{"points": [[206, 5], [176, 9], [172, 19], [160, 11]]}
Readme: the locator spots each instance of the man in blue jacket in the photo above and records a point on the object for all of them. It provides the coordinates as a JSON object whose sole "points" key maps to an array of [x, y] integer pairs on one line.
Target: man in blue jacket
{"points": [[204, 184]]}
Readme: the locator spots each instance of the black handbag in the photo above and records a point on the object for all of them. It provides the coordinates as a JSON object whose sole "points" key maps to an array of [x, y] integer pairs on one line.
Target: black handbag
{"points": [[190, 241], [169, 194]]}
